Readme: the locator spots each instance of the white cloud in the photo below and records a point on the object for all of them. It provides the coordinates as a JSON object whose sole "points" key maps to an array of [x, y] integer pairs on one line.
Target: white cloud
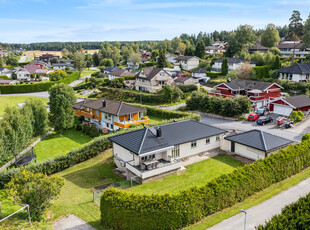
{"points": [[104, 3]]}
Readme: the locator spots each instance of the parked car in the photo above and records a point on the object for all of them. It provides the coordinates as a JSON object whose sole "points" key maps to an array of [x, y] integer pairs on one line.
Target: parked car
{"points": [[263, 120], [253, 116], [261, 111]]}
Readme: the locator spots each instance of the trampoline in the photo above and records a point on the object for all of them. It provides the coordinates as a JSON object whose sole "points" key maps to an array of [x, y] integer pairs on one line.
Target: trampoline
{"points": [[26, 159]]}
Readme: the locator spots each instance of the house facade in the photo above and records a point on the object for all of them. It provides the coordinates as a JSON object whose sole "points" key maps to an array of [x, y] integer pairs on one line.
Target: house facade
{"points": [[108, 115], [5, 71], [186, 81], [233, 64], [47, 57], [188, 62], [24, 73], [289, 48], [299, 72], [258, 48], [63, 66], [152, 79], [254, 144], [260, 93], [284, 106], [149, 153], [7, 82]]}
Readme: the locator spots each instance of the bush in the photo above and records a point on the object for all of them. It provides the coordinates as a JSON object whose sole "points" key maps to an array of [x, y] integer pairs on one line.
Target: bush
{"points": [[213, 75], [78, 127], [305, 137], [297, 116], [4, 77], [93, 131], [123, 210], [85, 129], [148, 64], [188, 88], [262, 72]]}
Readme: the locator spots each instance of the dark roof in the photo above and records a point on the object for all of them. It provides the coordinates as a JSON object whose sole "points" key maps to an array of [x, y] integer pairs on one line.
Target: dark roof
{"points": [[299, 68], [235, 60], [5, 81], [2, 68], [121, 73], [258, 46], [298, 101], [117, 108], [150, 72], [145, 140], [290, 46], [185, 58], [201, 70], [248, 84], [111, 68], [181, 79], [211, 47], [260, 140]]}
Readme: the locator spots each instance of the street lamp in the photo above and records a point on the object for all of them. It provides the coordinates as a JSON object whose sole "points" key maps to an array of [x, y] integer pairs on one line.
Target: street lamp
{"points": [[241, 210]]}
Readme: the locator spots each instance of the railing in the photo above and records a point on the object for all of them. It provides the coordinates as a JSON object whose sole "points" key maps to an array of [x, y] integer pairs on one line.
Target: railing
{"points": [[296, 52], [126, 124]]}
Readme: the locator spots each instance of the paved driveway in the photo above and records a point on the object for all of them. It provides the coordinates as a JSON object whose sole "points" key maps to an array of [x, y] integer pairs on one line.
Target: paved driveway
{"points": [[75, 83], [43, 94]]}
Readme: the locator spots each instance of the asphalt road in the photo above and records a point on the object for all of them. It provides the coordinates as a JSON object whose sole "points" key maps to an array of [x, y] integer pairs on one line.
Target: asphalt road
{"points": [[75, 83], [264, 211]]}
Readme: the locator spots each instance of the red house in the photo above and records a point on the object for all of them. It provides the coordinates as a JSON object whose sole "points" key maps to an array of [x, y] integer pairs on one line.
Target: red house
{"points": [[260, 93], [284, 106]]}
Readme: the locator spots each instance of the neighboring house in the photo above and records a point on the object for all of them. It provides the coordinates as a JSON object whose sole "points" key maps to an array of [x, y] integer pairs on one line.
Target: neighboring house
{"points": [[152, 79], [298, 72], [131, 65], [5, 71], [170, 58], [199, 73], [63, 66], [284, 106], [149, 153], [120, 73], [23, 73], [186, 81], [7, 82], [233, 64], [110, 69], [39, 63], [254, 144], [211, 49], [258, 48], [188, 62], [47, 57], [260, 93], [287, 48], [216, 48], [108, 115], [175, 71]]}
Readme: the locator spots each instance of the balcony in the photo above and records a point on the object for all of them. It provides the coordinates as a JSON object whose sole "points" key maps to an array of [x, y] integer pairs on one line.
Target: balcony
{"points": [[126, 124], [84, 113], [162, 167]]}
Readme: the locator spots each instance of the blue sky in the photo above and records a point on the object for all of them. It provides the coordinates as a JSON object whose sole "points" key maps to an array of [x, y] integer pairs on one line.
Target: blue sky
{"points": [[131, 20]]}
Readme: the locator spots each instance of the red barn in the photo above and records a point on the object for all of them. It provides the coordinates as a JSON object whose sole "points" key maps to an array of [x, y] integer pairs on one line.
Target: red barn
{"points": [[284, 106], [260, 93]]}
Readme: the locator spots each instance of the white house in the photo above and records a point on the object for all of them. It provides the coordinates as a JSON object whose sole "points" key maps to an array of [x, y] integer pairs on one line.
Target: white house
{"points": [[149, 153], [233, 64], [5, 71], [63, 66], [287, 48], [299, 72], [254, 144], [188, 62], [22, 74], [200, 74], [119, 73], [186, 81]]}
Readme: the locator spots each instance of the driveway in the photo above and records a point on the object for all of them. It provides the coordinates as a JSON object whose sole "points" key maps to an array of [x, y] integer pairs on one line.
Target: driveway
{"points": [[75, 83], [22, 59], [174, 106], [264, 211], [72, 222]]}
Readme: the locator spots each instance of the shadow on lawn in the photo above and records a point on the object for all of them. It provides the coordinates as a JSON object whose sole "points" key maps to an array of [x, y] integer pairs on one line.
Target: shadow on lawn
{"points": [[95, 175], [72, 134], [229, 160]]}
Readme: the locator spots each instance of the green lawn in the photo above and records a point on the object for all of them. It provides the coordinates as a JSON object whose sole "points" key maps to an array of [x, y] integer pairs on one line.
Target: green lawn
{"points": [[197, 174], [59, 144], [76, 195], [87, 72], [14, 100]]}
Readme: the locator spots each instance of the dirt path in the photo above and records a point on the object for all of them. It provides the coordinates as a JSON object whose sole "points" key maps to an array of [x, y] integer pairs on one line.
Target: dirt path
{"points": [[72, 222]]}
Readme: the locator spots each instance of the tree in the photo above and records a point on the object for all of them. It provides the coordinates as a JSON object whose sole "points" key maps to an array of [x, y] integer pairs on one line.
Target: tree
{"points": [[200, 49], [175, 43], [117, 82], [65, 52], [224, 67], [79, 60], [275, 51], [270, 36], [126, 53], [57, 75], [2, 63], [96, 59], [305, 137], [135, 59], [234, 46], [106, 62], [305, 38], [245, 71], [61, 114], [32, 76], [54, 60], [181, 48], [189, 51], [135, 47], [277, 63], [155, 54], [295, 28], [162, 61], [116, 55], [12, 59], [172, 94], [245, 35], [35, 189]]}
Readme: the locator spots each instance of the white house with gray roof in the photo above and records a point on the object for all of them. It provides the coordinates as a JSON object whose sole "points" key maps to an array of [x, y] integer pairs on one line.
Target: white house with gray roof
{"points": [[299, 72], [188, 62], [149, 153], [233, 64]]}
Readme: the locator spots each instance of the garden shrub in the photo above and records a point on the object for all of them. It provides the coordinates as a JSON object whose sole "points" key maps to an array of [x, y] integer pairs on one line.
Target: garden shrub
{"points": [[297, 116], [213, 75], [188, 88], [93, 131], [262, 72], [123, 210]]}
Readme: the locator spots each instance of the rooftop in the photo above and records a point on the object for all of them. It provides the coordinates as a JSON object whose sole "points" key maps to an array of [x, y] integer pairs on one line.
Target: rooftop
{"points": [[235, 60], [185, 58], [248, 84], [298, 101], [299, 68]]}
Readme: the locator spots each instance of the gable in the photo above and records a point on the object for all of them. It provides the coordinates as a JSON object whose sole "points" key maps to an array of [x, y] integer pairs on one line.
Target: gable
{"points": [[222, 86]]}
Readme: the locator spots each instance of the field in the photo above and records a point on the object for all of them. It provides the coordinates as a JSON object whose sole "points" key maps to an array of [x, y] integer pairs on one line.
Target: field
{"points": [[14, 100], [60, 144], [38, 53], [196, 174]]}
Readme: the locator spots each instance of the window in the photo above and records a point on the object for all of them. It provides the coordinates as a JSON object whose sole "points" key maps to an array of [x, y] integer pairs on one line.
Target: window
{"points": [[162, 74], [208, 140], [176, 151], [97, 113], [148, 158], [109, 117], [217, 138], [112, 127], [291, 76], [194, 144]]}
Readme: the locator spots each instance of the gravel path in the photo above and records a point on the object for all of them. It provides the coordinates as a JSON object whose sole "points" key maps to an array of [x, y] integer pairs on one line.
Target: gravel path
{"points": [[72, 222]]}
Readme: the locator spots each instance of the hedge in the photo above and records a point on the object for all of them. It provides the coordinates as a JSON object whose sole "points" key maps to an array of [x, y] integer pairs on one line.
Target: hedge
{"points": [[148, 64], [262, 71], [130, 77], [89, 150], [36, 87], [293, 216], [125, 210], [188, 88], [213, 75], [295, 86]]}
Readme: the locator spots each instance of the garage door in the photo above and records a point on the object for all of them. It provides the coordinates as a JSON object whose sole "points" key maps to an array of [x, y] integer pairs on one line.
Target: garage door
{"points": [[282, 110]]}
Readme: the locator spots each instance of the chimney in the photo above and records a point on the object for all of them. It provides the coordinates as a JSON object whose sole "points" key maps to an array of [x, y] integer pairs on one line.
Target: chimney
{"points": [[104, 104], [159, 132]]}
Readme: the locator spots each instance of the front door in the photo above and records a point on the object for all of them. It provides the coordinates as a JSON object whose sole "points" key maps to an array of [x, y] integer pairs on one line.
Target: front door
{"points": [[232, 147]]}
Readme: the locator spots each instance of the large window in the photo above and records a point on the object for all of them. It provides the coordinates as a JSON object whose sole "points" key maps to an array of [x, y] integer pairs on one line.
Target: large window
{"points": [[176, 151], [217, 138], [194, 144], [208, 140], [97, 113]]}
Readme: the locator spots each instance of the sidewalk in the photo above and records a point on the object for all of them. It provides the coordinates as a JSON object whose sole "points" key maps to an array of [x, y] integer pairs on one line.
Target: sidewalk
{"points": [[262, 212]]}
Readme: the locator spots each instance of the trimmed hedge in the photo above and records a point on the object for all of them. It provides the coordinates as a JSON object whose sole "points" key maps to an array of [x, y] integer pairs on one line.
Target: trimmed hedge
{"points": [[188, 88], [293, 216], [129, 77], [123, 210], [148, 64], [36, 87], [262, 71], [213, 75]]}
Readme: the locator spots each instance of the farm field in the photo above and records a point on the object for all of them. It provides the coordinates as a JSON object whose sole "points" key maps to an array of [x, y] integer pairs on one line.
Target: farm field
{"points": [[38, 53]]}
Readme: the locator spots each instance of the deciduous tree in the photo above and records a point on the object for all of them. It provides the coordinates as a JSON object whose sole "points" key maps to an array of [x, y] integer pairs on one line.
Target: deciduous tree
{"points": [[270, 36]]}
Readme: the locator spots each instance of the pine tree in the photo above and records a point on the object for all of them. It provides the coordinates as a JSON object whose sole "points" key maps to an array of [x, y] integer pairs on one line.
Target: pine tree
{"points": [[200, 49], [162, 60], [295, 26], [306, 37], [225, 66], [277, 63]]}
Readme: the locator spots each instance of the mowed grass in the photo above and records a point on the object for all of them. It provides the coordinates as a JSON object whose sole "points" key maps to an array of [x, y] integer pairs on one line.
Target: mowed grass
{"points": [[76, 195], [87, 72], [6, 101], [196, 174], [60, 144]]}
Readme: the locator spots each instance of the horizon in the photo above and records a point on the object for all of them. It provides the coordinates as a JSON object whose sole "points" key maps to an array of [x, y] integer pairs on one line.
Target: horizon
{"points": [[36, 21]]}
